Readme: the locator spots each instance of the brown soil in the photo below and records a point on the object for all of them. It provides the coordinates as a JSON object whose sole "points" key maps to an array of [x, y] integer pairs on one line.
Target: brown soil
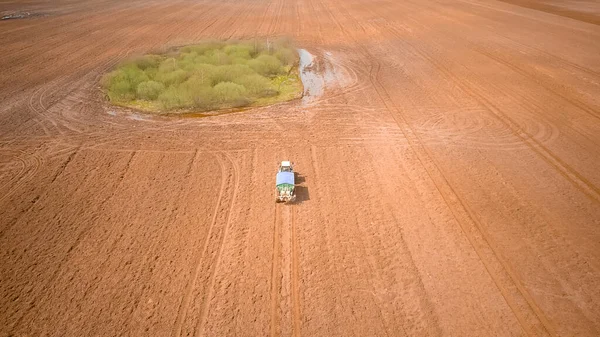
{"points": [[583, 10], [450, 181]]}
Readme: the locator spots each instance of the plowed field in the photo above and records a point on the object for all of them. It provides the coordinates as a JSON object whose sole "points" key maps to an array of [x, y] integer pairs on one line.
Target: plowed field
{"points": [[449, 180]]}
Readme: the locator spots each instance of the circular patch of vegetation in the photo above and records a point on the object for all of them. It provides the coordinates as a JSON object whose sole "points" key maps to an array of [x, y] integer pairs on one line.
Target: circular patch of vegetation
{"points": [[208, 76]]}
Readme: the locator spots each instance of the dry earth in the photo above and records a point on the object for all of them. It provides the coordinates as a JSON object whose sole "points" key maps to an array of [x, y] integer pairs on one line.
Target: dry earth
{"points": [[449, 175]]}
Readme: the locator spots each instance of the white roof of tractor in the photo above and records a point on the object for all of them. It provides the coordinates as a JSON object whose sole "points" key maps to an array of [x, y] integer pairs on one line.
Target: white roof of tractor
{"points": [[286, 163]]}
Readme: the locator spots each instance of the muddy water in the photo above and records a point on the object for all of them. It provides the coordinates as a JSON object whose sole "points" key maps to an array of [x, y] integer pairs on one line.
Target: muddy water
{"points": [[312, 80]]}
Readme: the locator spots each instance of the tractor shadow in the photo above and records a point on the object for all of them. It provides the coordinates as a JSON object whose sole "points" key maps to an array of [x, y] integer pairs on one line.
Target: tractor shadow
{"points": [[301, 194], [301, 191]]}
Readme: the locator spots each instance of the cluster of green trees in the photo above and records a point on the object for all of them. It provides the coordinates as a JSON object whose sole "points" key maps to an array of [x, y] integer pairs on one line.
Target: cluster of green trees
{"points": [[207, 76]]}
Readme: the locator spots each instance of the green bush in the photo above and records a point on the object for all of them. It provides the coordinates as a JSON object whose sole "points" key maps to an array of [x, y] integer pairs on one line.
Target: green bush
{"points": [[169, 65], [239, 51], [286, 56], [255, 84], [266, 65], [172, 78], [204, 98], [215, 57], [149, 90], [209, 75], [230, 72], [230, 93], [121, 91], [205, 72], [174, 98], [122, 83]]}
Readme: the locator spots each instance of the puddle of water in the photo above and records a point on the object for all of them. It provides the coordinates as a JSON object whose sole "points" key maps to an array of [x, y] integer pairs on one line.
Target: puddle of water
{"points": [[19, 15], [309, 74]]}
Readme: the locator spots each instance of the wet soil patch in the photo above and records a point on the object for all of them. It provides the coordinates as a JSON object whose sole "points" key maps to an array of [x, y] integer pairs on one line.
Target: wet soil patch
{"points": [[21, 15]]}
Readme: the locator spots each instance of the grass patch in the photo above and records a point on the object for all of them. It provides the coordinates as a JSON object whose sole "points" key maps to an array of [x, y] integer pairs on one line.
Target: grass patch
{"points": [[208, 76]]}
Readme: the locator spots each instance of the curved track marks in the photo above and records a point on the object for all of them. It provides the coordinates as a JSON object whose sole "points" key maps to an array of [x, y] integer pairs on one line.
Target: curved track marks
{"points": [[200, 259], [30, 164], [463, 217], [217, 260]]}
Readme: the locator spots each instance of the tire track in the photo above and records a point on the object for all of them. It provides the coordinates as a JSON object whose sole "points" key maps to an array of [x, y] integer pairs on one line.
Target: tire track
{"points": [[456, 205], [59, 122], [454, 202], [146, 259], [530, 17], [39, 108], [470, 89], [274, 18], [319, 29], [297, 318], [31, 163], [237, 18], [364, 244], [277, 24], [223, 239], [70, 251], [102, 266], [28, 169], [575, 178], [523, 71], [275, 271], [197, 265], [84, 27], [556, 90], [21, 170], [299, 23]]}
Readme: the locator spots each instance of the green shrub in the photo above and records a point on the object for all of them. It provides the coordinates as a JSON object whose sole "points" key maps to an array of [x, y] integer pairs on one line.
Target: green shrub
{"points": [[205, 72], [172, 78], [174, 98], [239, 51], [217, 57], [121, 91], [266, 65], [149, 90], [134, 75], [286, 56], [169, 65], [186, 65], [255, 84], [230, 72], [188, 57], [151, 73], [195, 81], [122, 83], [204, 98], [230, 93]]}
